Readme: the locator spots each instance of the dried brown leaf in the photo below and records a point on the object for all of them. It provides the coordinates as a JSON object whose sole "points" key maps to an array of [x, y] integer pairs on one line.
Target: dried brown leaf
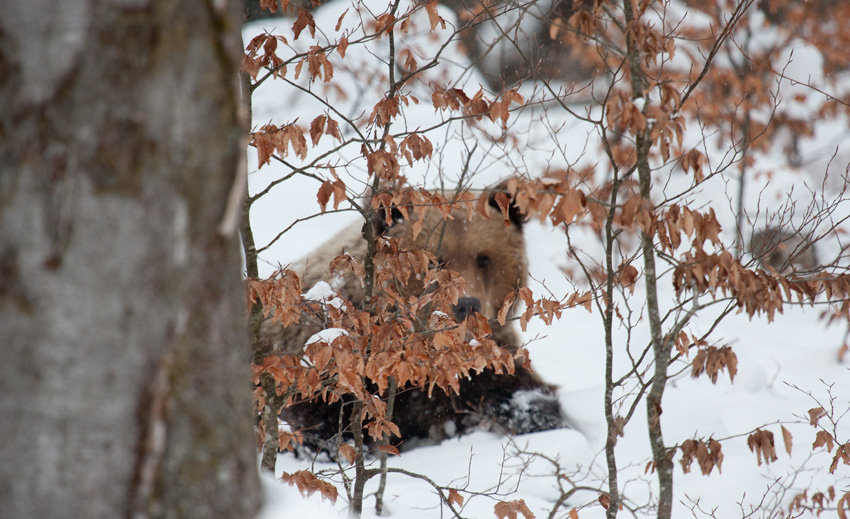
{"points": [[786, 438], [816, 414], [339, 21], [308, 484], [348, 452], [510, 509], [433, 16], [304, 20]]}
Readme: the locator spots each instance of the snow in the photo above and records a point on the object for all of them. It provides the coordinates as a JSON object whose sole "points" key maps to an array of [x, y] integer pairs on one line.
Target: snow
{"points": [[327, 335], [785, 367], [323, 293]]}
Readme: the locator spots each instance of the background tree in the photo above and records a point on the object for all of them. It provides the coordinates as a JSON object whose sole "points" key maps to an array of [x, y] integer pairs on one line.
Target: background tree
{"points": [[123, 362]]}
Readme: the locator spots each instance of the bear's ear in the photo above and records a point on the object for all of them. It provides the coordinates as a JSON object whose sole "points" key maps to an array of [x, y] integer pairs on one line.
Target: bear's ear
{"points": [[381, 224], [515, 215]]}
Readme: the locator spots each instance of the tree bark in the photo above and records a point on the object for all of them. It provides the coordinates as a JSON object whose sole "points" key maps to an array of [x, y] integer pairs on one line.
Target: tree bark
{"points": [[124, 387]]}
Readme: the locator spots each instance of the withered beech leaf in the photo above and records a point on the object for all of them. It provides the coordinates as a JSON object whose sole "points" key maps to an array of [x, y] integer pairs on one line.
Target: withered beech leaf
{"points": [[317, 128], [389, 449], [506, 307], [786, 438], [269, 5], [823, 438], [339, 22], [347, 451], [842, 453], [324, 194], [308, 484], [761, 443], [433, 17], [339, 193], [816, 414], [843, 504], [510, 509], [628, 276], [503, 202], [455, 497], [304, 19]]}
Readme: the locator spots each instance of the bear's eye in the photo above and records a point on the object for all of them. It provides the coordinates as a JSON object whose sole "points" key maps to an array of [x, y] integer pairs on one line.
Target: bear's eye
{"points": [[483, 261]]}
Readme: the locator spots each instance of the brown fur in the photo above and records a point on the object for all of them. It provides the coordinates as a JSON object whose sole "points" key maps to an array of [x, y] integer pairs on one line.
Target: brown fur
{"points": [[783, 250], [490, 256], [461, 245]]}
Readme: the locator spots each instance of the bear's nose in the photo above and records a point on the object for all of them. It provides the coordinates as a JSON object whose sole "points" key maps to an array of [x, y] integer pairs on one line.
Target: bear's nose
{"points": [[466, 306]]}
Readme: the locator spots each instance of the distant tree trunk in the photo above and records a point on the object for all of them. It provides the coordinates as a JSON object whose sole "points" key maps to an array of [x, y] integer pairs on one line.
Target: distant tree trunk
{"points": [[124, 387]]}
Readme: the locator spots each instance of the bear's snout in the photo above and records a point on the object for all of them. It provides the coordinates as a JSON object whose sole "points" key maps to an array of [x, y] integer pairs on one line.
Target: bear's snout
{"points": [[466, 306]]}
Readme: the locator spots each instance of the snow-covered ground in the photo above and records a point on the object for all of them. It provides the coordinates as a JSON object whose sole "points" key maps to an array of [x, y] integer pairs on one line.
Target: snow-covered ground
{"points": [[785, 367]]}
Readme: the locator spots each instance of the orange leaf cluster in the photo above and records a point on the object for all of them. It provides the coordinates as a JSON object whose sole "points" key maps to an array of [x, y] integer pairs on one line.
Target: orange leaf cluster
{"points": [[280, 293], [677, 220], [623, 114], [288, 371], [547, 309], [819, 500], [627, 277], [552, 198], [657, 121], [252, 61], [416, 147], [637, 213], [337, 189], [322, 125], [585, 21], [707, 453], [823, 439], [696, 161], [383, 164], [761, 442], [510, 509], [455, 498], [384, 24], [287, 440], [755, 291], [684, 342], [815, 414], [422, 201], [271, 5], [346, 450], [713, 360], [271, 139], [842, 453], [407, 60], [385, 111], [304, 20], [308, 484], [476, 106], [318, 65], [650, 42], [433, 17], [604, 499]]}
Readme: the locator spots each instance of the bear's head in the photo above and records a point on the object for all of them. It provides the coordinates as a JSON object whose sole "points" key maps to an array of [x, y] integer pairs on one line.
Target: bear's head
{"points": [[488, 252]]}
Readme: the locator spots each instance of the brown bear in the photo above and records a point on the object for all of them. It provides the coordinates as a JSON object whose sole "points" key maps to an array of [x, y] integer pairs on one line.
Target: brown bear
{"points": [[783, 250], [489, 253]]}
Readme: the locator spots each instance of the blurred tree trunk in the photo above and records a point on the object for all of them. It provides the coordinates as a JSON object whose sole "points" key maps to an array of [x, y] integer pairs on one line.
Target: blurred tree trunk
{"points": [[124, 387]]}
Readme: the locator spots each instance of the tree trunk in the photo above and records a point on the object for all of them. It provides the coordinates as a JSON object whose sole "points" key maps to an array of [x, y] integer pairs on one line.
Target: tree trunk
{"points": [[124, 388]]}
